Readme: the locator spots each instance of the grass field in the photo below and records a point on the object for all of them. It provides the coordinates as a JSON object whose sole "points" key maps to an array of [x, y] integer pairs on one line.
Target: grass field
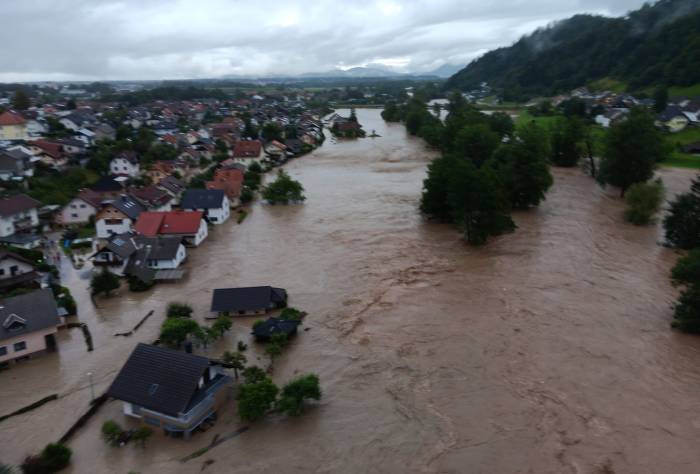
{"points": [[525, 117], [690, 91]]}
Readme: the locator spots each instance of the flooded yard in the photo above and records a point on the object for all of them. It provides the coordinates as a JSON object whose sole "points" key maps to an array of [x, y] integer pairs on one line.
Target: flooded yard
{"points": [[547, 351]]}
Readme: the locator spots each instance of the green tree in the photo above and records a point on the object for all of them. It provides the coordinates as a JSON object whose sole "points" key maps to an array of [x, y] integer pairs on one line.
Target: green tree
{"points": [[236, 360], [71, 105], [179, 310], [256, 399], [477, 143], [566, 136], [436, 188], [686, 313], [632, 149], [142, 435], [104, 282], [643, 201], [283, 190], [478, 202], [221, 325], [660, 99], [502, 124], [391, 112], [20, 101], [292, 314], [271, 131], [687, 269], [253, 374], [111, 432], [294, 394], [682, 223], [522, 167], [175, 330]]}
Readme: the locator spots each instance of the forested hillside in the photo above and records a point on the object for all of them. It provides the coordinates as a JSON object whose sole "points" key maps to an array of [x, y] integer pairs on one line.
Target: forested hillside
{"points": [[658, 44]]}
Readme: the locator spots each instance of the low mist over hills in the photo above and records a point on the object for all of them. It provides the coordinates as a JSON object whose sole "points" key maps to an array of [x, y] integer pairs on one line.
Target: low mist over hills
{"points": [[658, 44]]}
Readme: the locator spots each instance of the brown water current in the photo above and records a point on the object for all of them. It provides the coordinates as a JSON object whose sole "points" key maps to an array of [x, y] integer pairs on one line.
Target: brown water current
{"points": [[546, 351]]}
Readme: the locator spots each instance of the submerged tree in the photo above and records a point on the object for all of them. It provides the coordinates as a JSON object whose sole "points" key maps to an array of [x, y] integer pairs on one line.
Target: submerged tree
{"points": [[632, 149], [294, 394], [104, 282], [682, 224], [565, 137], [478, 203], [256, 399], [643, 201], [283, 190]]}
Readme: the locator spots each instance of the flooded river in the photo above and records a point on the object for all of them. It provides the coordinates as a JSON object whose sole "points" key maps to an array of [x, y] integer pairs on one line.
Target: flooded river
{"points": [[547, 351]]}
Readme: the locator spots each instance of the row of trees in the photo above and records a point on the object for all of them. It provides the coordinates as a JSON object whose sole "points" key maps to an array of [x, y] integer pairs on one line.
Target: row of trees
{"points": [[258, 395], [179, 327], [682, 228], [487, 168]]}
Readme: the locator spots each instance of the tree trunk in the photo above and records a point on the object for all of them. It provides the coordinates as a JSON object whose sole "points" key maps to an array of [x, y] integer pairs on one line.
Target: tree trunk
{"points": [[591, 160]]}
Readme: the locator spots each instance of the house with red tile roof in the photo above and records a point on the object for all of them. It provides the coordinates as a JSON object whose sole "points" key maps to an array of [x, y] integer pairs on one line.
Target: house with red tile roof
{"points": [[230, 181], [248, 151], [190, 226], [13, 126]]}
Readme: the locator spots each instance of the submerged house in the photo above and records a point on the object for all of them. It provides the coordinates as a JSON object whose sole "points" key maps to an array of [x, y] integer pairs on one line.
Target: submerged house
{"points": [[28, 325], [190, 227], [212, 202], [248, 301], [168, 389]]}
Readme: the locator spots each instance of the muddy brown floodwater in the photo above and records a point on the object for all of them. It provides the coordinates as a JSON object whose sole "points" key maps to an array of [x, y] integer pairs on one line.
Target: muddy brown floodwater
{"points": [[547, 351]]}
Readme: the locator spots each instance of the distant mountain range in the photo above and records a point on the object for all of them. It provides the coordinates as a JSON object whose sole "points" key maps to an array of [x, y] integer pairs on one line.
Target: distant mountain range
{"points": [[372, 71], [658, 44]]}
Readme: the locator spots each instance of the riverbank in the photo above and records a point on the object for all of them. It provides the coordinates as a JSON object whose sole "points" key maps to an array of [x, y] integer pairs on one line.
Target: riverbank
{"points": [[546, 351]]}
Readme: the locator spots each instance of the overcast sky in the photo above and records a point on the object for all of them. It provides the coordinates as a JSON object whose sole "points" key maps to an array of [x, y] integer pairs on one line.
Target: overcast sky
{"points": [[173, 39]]}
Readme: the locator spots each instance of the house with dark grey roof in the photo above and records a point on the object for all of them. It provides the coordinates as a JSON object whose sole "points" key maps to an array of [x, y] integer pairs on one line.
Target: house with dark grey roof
{"points": [[15, 163], [131, 254], [171, 390], [248, 300], [264, 330], [28, 325], [18, 213], [117, 216], [16, 271], [213, 202]]}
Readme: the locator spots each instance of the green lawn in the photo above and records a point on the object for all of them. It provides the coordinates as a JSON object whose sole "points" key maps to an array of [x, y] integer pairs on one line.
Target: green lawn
{"points": [[525, 117], [608, 84], [682, 160], [690, 91]]}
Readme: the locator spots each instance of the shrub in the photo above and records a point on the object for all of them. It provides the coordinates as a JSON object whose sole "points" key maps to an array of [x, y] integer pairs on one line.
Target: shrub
{"points": [[242, 346], [179, 310], [291, 314], [247, 195], [687, 269], [258, 323], [104, 282], [221, 325], [283, 190], [295, 392], [111, 432], [141, 435], [643, 201], [137, 285], [53, 458], [253, 374]]}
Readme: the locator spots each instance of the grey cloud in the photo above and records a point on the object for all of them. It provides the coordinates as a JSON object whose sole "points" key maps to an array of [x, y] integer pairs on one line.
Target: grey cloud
{"points": [[155, 39]]}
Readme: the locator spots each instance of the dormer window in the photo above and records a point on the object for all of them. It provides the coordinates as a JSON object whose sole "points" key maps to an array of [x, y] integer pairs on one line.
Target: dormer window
{"points": [[14, 323]]}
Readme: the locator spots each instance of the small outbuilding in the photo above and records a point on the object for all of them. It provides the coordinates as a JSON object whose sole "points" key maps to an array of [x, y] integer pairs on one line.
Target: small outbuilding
{"points": [[248, 300]]}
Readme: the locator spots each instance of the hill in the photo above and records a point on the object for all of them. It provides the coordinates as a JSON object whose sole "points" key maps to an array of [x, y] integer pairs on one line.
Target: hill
{"points": [[658, 44]]}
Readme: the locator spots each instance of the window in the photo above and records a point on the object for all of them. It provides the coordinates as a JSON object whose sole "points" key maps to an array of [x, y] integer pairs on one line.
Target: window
{"points": [[74, 215], [2, 271], [151, 421], [83, 206], [3, 351], [113, 221], [20, 346], [14, 269]]}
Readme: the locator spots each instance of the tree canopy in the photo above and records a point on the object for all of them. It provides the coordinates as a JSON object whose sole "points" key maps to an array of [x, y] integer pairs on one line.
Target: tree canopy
{"points": [[283, 190]]}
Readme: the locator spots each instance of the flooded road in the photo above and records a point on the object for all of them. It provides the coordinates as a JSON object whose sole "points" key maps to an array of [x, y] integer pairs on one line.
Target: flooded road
{"points": [[547, 351]]}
